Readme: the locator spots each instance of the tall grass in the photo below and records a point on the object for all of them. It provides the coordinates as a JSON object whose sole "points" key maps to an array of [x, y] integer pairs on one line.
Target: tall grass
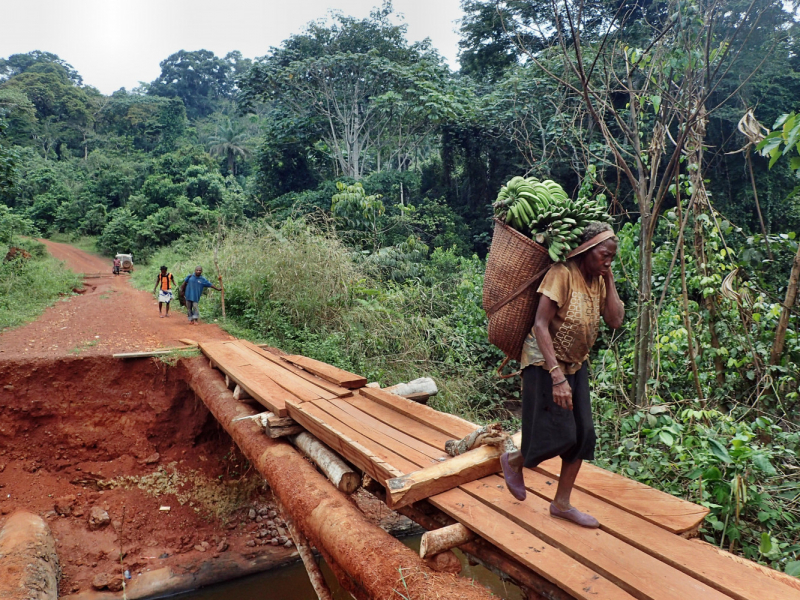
{"points": [[298, 287], [29, 285]]}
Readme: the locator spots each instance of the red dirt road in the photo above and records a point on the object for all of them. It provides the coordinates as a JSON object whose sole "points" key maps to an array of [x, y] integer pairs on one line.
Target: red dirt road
{"points": [[111, 316]]}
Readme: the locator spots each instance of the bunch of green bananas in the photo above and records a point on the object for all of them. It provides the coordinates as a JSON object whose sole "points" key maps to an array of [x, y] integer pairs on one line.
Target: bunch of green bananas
{"points": [[542, 210]]}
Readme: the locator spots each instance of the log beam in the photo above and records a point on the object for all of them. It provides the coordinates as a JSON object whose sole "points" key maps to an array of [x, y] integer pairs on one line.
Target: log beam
{"points": [[29, 567], [367, 561], [443, 539], [336, 470]]}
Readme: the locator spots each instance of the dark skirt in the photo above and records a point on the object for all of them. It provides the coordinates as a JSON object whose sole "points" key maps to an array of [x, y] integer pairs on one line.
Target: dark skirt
{"points": [[549, 430]]}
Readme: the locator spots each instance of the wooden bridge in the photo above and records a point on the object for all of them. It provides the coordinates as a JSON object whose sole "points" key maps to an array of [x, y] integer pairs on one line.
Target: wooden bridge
{"points": [[642, 550]]}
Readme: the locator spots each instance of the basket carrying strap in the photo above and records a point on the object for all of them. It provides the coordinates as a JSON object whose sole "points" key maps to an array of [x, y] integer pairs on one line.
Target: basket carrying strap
{"points": [[525, 285]]}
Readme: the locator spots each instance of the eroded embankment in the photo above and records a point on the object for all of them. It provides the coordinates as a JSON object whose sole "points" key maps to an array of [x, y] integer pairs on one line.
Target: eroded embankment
{"points": [[97, 446]]}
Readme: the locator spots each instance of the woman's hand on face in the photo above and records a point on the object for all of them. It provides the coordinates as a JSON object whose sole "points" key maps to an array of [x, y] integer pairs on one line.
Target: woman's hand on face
{"points": [[562, 395]]}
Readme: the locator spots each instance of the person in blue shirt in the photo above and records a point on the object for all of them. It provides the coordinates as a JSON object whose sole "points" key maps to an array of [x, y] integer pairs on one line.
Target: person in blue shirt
{"points": [[191, 289]]}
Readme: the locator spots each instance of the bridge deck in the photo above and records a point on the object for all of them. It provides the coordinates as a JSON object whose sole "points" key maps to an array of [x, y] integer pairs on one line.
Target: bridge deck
{"points": [[635, 554]]}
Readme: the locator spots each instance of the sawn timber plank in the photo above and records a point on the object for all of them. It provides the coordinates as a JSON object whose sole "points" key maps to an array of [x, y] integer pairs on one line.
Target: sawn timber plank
{"points": [[381, 464], [451, 425], [293, 384], [701, 561], [673, 514], [328, 372], [338, 390], [265, 391], [378, 437], [394, 432], [540, 557], [424, 433], [638, 573]]}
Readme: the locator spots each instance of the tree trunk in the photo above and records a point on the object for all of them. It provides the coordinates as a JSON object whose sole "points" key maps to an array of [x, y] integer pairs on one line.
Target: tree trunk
{"points": [[231, 165], [788, 303], [687, 322]]}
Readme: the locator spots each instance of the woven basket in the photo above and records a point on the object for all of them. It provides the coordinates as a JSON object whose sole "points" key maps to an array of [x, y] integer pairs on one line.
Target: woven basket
{"points": [[514, 260]]}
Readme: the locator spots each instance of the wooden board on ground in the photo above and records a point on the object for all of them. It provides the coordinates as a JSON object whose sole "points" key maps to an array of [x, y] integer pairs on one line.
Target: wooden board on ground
{"points": [[448, 424], [149, 353], [701, 561], [576, 579], [327, 372], [667, 511], [626, 566], [338, 390], [188, 342]]}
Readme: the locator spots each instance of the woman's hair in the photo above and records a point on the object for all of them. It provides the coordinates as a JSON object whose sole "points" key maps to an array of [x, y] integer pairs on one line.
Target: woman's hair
{"points": [[595, 228], [163, 267]]}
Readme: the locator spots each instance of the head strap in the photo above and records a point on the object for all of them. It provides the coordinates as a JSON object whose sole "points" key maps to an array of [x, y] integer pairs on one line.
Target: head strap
{"points": [[591, 243]]}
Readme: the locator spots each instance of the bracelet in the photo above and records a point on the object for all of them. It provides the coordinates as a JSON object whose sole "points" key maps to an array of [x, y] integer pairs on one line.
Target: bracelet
{"points": [[560, 382], [554, 368]]}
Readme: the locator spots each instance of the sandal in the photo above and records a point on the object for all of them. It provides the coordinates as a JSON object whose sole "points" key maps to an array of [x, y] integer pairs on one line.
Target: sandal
{"points": [[574, 515], [514, 480]]}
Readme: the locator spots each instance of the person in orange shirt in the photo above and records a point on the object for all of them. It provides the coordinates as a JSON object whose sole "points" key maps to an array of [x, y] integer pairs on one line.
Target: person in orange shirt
{"points": [[164, 283]]}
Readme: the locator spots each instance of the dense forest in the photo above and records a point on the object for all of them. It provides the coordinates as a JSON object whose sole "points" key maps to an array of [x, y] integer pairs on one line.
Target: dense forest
{"points": [[342, 183]]}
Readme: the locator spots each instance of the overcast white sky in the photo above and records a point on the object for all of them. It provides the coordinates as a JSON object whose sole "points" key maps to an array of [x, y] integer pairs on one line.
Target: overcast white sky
{"points": [[118, 43]]}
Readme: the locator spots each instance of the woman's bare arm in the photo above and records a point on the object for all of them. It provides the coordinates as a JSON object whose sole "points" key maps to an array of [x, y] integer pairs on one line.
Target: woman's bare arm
{"points": [[614, 310]]}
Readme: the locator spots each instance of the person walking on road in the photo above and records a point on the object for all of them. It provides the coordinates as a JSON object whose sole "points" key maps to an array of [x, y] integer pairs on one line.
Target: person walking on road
{"points": [[164, 283], [191, 289], [117, 264], [556, 409]]}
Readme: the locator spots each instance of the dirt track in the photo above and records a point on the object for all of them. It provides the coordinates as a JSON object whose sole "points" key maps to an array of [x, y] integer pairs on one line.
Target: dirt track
{"points": [[110, 316]]}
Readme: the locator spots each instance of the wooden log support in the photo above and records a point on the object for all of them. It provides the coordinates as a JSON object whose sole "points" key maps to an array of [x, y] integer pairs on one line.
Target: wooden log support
{"points": [[336, 470], [239, 393], [279, 432], [312, 568], [446, 538], [367, 561], [422, 386], [444, 476], [29, 567]]}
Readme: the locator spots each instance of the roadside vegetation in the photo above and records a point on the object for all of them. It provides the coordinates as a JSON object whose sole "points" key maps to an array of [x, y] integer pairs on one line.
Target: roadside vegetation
{"points": [[367, 250]]}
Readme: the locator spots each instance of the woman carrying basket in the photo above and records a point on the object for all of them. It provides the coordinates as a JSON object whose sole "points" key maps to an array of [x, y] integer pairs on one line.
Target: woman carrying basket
{"points": [[556, 409]]}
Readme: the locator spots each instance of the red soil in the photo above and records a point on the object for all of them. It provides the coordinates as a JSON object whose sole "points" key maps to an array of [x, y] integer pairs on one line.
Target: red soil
{"points": [[111, 316]]}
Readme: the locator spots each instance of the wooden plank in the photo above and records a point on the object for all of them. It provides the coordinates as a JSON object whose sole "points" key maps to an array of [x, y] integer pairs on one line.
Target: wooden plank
{"points": [[372, 458], [298, 386], [394, 432], [414, 456], [703, 562], [540, 557], [638, 573], [327, 372], [667, 511], [149, 353], [422, 432], [451, 425], [464, 468], [338, 390], [265, 391], [188, 342]]}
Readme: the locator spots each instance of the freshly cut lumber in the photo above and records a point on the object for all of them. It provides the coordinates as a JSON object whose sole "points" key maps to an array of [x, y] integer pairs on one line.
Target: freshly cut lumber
{"points": [[338, 390], [700, 560], [336, 470], [188, 342], [312, 568], [451, 425], [667, 511], [580, 581], [275, 421], [239, 393], [455, 471], [422, 432], [446, 538], [629, 568], [366, 560], [380, 436], [327, 372], [29, 567], [149, 353], [423, 385], [371, 458]]}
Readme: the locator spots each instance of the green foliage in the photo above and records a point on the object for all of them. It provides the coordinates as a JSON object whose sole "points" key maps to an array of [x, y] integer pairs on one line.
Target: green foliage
{"points": [[29, 285]]}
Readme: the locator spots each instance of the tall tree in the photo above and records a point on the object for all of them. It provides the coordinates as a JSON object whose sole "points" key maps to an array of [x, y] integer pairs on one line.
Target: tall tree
{"points": [[230, 141], [199, 78]]}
